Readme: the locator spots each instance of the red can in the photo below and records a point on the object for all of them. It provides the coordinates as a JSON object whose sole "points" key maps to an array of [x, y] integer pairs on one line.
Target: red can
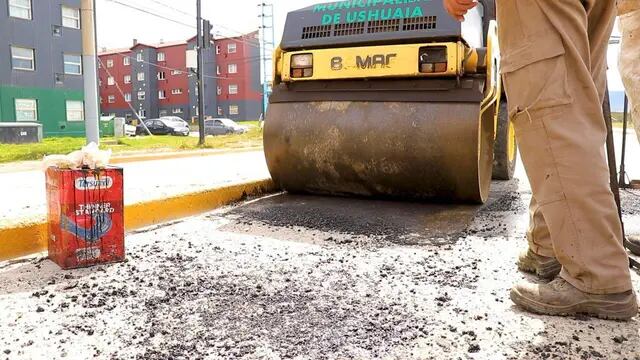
{"points": [[86, 216]]}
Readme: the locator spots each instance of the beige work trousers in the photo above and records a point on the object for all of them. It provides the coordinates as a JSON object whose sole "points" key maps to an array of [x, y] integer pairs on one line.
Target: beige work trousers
{"points": [[629, 64], [554, 73]]}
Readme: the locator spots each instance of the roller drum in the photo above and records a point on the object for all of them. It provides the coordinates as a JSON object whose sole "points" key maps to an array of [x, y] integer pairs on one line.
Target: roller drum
{"points": [[414, 150]]}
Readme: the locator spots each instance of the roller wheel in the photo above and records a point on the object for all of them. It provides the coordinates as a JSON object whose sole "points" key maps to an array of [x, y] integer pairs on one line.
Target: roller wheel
{"points": [[506, 150]]}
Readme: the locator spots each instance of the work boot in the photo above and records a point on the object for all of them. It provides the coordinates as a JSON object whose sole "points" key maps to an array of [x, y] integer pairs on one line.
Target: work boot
{"points": [[633, 244], [544, 267], [562, 299]]}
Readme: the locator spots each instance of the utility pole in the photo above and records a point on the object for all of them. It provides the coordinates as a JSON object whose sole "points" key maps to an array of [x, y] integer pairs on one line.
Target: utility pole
{"points": [[200, 83], [90, 70], [267, 43]]}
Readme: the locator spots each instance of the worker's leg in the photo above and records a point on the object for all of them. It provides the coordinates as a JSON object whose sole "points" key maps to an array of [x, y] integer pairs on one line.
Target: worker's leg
{"points": [[554, 103], [539, 258], [629, 64], [629, 67], [538, 234]]}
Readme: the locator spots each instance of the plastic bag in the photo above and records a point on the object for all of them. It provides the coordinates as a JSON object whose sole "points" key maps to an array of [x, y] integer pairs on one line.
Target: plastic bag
{"points": [[89, 157]]}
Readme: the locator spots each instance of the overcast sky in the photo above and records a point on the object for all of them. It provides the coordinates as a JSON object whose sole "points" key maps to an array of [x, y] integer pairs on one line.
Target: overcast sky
{"points": [[119, 25]]}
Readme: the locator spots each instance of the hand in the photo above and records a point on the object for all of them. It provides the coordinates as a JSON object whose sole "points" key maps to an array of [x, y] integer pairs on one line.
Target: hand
{"points": [[458, 8]]}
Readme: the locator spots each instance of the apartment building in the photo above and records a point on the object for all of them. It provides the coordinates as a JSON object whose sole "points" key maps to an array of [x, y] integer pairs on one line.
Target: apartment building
{"points": [[41, 76], [153, 80], [239, 91]]}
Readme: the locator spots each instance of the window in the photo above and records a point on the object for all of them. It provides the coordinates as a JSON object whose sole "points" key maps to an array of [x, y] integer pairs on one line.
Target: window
{"points": [[219, 90], [162, 75], [127, 79], [163, 113], [71, 17], [20, 9], [233, 110], [220, 113], [127, 97], [176, 72], [111, 81], [232, 69], [233, 89], [72, 64], [162, 94], [139, 57], [177, 110], [231, 48], [143, 113], [126, 61], [161, 56], [176, 91], [22, 58], [26, 109], [140, 76], [111, 99], [141, 95], [218, 69], [110, 63], [218, 50], [75, 110]]}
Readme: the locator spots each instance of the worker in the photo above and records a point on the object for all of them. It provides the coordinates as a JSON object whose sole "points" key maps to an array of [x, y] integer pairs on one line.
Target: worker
{"points": [[629, 12], [553, 65]]}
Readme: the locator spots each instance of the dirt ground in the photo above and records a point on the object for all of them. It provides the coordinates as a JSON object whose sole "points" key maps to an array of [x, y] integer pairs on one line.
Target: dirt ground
{"points": [[300, 277]]}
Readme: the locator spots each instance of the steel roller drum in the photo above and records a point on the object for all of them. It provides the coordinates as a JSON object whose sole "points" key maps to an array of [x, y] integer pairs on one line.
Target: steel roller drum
{"points": [[415, 150]]}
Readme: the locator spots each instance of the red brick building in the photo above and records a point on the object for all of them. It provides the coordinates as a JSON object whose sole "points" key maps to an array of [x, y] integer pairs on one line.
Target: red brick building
{"points": [[153, 80]]}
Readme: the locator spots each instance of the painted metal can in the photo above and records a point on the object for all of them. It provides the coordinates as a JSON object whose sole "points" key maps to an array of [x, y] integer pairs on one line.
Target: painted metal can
{"points": [[85, 216]]}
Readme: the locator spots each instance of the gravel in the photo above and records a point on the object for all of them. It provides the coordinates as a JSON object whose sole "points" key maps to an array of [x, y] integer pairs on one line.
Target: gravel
{"points": [[292, 277]]}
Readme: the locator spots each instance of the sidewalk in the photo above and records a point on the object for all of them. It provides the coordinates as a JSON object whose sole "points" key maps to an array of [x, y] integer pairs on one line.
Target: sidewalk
{"points": [[22, 194]]}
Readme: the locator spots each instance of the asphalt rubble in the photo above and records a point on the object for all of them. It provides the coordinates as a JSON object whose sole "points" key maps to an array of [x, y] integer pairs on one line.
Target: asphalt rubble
{"points": [[294, 277]]}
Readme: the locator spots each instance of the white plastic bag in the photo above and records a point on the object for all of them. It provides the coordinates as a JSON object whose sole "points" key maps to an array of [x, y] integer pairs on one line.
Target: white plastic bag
{"points": [[89, 157]]}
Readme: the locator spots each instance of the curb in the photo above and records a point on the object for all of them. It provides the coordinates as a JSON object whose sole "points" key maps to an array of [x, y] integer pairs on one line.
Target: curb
{"points": [[31, 238]]}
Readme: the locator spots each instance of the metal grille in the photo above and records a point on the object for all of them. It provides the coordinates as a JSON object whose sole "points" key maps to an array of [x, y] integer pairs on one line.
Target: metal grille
{"points": [[378, 26], [314, 32], [349, 29], [420, 23]]}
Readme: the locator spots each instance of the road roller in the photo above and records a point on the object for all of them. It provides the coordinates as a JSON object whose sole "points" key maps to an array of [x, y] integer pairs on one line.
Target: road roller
{"points": [[389, 99]]}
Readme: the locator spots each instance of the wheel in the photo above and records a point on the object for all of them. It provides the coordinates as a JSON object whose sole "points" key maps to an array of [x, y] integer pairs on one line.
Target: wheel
{"points": [[506, 149]]}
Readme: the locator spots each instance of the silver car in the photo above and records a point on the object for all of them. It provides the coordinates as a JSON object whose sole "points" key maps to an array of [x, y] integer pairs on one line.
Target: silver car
{"points": [[222, 126]]}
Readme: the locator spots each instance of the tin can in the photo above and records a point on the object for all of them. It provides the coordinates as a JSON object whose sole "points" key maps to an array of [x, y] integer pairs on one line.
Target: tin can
{"points": [[85, 216]]}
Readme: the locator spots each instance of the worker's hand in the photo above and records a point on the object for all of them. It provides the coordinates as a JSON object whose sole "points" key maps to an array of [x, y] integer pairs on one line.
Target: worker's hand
{"points": [[458, 8]]}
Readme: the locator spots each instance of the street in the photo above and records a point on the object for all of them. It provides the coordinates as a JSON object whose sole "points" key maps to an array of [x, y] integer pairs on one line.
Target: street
{"points": [[302, 277]]}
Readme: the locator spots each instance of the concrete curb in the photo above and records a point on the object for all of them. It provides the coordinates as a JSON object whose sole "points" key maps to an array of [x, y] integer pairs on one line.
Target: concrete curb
{"points": [[31, 237]]}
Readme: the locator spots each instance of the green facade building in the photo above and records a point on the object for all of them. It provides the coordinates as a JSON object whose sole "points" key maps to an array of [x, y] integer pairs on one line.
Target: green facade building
{"points": [[41, 78]]}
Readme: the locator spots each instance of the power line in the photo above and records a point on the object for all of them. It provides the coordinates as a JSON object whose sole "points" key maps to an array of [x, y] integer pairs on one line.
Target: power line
{"points": [[180, 22], [215, 24], [173, 8], [151, 13]]}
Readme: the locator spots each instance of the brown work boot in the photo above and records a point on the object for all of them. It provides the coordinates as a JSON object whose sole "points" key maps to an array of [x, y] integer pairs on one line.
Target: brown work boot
{"points": [[562, 299], [633, 244], [544, 267]]}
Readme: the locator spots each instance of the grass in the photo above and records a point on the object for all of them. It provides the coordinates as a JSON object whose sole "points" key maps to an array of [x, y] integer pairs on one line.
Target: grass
{"points": [[62, 145]]}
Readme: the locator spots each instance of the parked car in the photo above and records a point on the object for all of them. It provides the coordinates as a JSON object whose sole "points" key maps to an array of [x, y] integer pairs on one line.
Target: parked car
{"points": [[163, 127], [176, 119], [222, 126]]}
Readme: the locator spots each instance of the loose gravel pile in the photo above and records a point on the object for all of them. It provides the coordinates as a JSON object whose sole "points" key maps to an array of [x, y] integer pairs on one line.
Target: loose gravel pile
{"points": [[305, 278]]}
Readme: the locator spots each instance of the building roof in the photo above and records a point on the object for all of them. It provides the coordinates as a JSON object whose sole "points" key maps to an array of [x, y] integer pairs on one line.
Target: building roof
{"points": [[113, 51], [169, 44]]}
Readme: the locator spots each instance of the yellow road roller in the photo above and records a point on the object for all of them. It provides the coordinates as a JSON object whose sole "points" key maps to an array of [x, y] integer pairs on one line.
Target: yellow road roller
{"points": [[391, 99]]}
